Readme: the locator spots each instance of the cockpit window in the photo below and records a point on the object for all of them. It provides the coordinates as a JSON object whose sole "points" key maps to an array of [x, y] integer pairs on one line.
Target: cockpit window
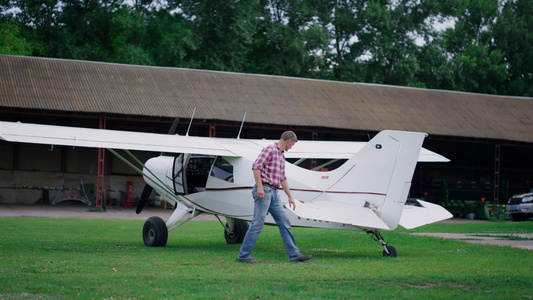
{"points": [[222, 169]]}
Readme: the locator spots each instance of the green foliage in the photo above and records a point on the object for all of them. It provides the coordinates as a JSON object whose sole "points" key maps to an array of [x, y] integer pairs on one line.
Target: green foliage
{"points": [[436, 69], [479, 70], [513, 35], [103, 259], [487, 49], [170, 40], [11, 42], [224, 31]]}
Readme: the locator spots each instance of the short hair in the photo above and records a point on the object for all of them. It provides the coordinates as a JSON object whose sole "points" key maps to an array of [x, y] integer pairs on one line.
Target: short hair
{"points": [[289, 135]]}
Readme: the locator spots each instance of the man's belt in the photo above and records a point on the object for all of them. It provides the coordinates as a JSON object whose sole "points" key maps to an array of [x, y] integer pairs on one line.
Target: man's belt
{"points": [[274, 187]]}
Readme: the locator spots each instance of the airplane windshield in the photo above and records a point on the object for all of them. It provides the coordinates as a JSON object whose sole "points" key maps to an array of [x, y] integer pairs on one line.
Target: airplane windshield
{"points": [[222, 169], [197, 171]]}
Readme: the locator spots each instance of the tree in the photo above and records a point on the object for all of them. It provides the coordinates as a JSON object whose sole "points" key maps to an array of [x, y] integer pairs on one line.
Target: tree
{"points": [[478, 69], [86, 31], [11, 42], [223, 31], [513, 35], [37, 21], [459, 58], [284, 42], [340, 20], [128, 34], [436, 69], [170, 40], [388, 39]]}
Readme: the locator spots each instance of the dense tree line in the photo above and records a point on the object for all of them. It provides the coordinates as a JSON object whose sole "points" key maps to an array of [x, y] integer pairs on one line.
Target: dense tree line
{"points": [[487, 48]]}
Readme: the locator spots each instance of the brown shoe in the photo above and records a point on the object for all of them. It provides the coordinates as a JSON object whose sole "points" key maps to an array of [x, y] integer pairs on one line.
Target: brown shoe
{"points": [[302, 258], [248, 260]]}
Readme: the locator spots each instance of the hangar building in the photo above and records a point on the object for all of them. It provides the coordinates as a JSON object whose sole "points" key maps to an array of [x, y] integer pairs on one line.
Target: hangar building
{"points": [[488, 138]]}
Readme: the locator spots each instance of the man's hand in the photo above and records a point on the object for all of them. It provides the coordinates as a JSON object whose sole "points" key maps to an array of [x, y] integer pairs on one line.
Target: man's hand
{"points": [[260, 192], [292, 203]]}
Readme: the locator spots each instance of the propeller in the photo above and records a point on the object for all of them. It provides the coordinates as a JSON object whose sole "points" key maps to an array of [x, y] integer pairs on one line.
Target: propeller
{"points": [[147, 188], [144, 198]]}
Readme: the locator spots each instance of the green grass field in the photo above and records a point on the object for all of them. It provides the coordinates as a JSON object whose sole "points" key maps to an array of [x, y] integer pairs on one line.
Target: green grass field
{"points": [[45, 258]]}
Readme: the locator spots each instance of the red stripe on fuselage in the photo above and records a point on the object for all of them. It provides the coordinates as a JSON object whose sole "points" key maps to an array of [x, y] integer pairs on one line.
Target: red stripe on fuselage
{"points": [[299, 190]]}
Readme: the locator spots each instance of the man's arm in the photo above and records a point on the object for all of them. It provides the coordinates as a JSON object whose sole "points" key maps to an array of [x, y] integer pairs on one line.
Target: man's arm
{"points": [[285, 186], [259, 183]]}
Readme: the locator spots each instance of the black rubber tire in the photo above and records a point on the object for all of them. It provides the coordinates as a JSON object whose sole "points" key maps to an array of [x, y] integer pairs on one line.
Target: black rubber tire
{"points": [[392, 252], [155, 232], [519, 217], [236, 237]]}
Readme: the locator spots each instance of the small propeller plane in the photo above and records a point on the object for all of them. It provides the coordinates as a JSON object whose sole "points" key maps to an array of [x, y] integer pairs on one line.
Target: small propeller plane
{"points": [[200, 175]]}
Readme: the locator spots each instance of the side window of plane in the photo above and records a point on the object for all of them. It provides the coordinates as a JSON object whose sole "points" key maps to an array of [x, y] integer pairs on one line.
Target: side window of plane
{"points": [[222, 169]]}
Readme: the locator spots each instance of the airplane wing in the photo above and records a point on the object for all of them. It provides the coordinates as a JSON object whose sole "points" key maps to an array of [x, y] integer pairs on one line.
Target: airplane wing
{"points": [[340, 213], [425, 213], [340, 150], [116, 139], [112, 139]]}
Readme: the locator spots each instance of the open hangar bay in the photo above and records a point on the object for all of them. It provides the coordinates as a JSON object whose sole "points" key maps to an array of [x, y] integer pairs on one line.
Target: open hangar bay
{"points": [[487, 138]]}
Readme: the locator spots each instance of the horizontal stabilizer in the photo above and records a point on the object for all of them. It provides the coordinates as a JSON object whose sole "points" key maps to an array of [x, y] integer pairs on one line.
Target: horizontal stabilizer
{"points": [[340, 213], [415, 216]]}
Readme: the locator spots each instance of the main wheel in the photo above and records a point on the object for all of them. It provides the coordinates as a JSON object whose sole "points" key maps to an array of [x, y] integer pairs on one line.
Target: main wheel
{"points": [[155, 232], [236, 236], [519, 218], [392, 252]]}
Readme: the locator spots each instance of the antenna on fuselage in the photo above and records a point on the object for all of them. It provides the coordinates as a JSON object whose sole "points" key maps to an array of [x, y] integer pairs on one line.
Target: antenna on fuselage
{"points": [[190, 123], [242, 123]]}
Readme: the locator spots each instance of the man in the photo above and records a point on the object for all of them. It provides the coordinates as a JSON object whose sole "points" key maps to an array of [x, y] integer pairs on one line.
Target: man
{"points": [[269, 175]]}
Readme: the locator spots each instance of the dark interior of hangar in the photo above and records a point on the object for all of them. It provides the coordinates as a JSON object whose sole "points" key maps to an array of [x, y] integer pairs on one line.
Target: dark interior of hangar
{"points": [[470, 175]]}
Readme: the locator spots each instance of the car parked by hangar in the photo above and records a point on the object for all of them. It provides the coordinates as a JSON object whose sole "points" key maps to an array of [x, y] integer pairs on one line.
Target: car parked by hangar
{"points": [[520, 207]]}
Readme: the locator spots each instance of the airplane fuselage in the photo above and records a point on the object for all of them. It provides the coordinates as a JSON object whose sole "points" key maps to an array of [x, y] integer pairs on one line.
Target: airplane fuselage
{"points": [[209, 189]]}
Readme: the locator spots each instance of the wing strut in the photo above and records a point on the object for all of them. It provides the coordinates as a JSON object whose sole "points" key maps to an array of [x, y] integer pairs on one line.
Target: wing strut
{"points": [[242, 123], [190, 123]]}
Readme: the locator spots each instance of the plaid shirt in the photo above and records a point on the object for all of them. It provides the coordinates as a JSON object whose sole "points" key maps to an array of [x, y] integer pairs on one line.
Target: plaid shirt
{"points": [[271, 162]]}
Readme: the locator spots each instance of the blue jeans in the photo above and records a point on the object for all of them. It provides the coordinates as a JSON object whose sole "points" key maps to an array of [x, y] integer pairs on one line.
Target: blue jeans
{"points": [[271, 203]]}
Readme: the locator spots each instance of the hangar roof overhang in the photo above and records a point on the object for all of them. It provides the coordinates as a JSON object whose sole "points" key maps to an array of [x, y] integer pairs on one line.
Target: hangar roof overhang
{"points": [[94, 87]]}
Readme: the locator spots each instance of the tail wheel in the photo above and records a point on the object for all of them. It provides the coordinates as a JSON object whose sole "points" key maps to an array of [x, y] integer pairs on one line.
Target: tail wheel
{"points": [[155, 232], [391, 252], [236, 235]]}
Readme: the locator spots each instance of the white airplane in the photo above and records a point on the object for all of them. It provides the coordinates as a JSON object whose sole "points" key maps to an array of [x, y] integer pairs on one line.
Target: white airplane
{"points": [[368, 192]]}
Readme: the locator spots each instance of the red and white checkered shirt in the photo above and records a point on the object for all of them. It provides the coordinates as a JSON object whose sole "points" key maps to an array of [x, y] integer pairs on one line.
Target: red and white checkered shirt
{"points": [[271, 162]]}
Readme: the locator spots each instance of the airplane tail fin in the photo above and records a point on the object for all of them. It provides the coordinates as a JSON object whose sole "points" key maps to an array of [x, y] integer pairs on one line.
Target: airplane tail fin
{"points": [[376, 180], [407, 147]]}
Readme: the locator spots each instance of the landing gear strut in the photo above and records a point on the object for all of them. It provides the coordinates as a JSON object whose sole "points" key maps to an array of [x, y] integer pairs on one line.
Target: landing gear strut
{"points": [[388, 251]]}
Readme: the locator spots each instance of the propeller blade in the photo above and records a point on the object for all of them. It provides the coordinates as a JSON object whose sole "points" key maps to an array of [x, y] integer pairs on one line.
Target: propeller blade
{"points": [[144, 198], [174, 126], [173, 129]]}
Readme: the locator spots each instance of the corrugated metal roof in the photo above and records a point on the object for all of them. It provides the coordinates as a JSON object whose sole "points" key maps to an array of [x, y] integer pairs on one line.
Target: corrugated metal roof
{"points": [[83, 86]]}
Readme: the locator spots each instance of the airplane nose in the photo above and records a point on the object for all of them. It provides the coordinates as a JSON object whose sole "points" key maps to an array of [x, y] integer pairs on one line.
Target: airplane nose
{"points": [[156, 167], [148, 165]]}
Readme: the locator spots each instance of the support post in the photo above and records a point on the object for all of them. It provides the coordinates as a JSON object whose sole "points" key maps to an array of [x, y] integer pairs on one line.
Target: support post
{"points": [[496, 202], [100, 180], [212, 129]]}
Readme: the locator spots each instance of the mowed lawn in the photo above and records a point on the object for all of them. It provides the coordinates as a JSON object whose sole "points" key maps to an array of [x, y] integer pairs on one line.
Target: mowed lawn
{"points": [[44, 258]]}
